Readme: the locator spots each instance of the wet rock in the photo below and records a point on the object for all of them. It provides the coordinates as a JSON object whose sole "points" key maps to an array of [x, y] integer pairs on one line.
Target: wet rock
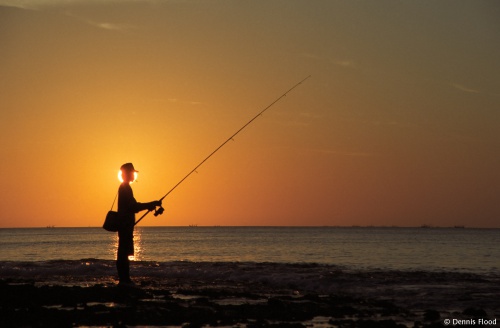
{"points": [[431, 315], [475, 312], [362, 303]]}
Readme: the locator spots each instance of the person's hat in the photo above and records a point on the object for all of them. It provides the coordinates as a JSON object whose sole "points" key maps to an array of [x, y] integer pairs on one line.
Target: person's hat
{"points": [[128, 167]]}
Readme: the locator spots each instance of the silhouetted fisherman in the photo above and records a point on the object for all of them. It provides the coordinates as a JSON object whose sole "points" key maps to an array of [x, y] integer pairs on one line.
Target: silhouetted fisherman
{"points": [[127, 207]]}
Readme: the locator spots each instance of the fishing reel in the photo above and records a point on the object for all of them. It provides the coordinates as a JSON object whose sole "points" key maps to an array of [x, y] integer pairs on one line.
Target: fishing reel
{"points": [[159, 211]]}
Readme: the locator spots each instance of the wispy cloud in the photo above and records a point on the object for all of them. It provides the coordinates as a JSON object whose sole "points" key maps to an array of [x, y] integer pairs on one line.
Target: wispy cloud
{"points": [[358, 154], [109, 26], [344, 63], [101, 25], [185, 102], [18, 4], [302, 119], [464, 88], [347, 63], [38, 4], [342, 153], [309, 56], [386, 123]]}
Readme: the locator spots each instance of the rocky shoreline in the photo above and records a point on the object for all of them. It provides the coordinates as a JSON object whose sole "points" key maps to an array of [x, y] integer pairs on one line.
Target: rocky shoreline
{"points": [[355, 299]]}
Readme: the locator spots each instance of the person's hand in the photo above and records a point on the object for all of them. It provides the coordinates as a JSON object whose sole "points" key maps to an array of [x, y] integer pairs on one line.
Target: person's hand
{"points": [[152, 205]]}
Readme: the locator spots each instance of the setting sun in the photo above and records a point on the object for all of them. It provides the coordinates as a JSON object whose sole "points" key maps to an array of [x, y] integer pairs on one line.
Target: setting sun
{"points": [[121, 179]]}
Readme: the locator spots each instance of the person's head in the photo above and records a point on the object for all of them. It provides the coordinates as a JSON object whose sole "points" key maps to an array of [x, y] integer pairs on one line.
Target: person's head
{"points": [[129, 173]]}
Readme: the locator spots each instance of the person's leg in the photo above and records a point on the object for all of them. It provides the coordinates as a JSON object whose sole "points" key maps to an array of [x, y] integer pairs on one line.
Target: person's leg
{"points": [[123, 266], [122, 261]]}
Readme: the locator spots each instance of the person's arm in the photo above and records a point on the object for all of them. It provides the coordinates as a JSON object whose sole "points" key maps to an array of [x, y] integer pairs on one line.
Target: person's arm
{"points": [[127, 202], [146, 206]]}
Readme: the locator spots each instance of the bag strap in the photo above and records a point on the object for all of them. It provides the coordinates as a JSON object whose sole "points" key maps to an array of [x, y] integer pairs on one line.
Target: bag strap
{"points": [[112, 205]]}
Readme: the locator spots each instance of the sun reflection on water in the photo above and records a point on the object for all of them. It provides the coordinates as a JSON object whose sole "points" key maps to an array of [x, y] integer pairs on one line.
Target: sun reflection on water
{"points": [[113, 245], [137, 245]]}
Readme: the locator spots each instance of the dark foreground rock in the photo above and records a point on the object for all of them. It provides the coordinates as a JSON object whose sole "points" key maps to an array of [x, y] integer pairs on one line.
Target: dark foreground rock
{"points": [[26, 305], [354, 299]]}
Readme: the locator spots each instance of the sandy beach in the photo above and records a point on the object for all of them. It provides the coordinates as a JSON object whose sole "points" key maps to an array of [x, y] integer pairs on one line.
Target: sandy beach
{"points": [[316, 297]]}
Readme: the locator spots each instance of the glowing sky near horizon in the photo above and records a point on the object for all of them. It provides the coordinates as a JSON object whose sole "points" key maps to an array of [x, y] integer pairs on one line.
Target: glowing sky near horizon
{"points": [[398, 125]]}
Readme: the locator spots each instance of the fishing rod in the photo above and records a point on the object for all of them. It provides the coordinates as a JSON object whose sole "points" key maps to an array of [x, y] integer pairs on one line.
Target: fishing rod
{"points": [[160, 210]]}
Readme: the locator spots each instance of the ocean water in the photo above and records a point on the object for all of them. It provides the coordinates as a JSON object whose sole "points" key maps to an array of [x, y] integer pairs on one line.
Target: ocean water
{"points": [[370, 248]]}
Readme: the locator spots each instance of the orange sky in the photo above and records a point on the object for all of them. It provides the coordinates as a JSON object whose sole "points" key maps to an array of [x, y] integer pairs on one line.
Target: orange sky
{"points": [[398, 125]]}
